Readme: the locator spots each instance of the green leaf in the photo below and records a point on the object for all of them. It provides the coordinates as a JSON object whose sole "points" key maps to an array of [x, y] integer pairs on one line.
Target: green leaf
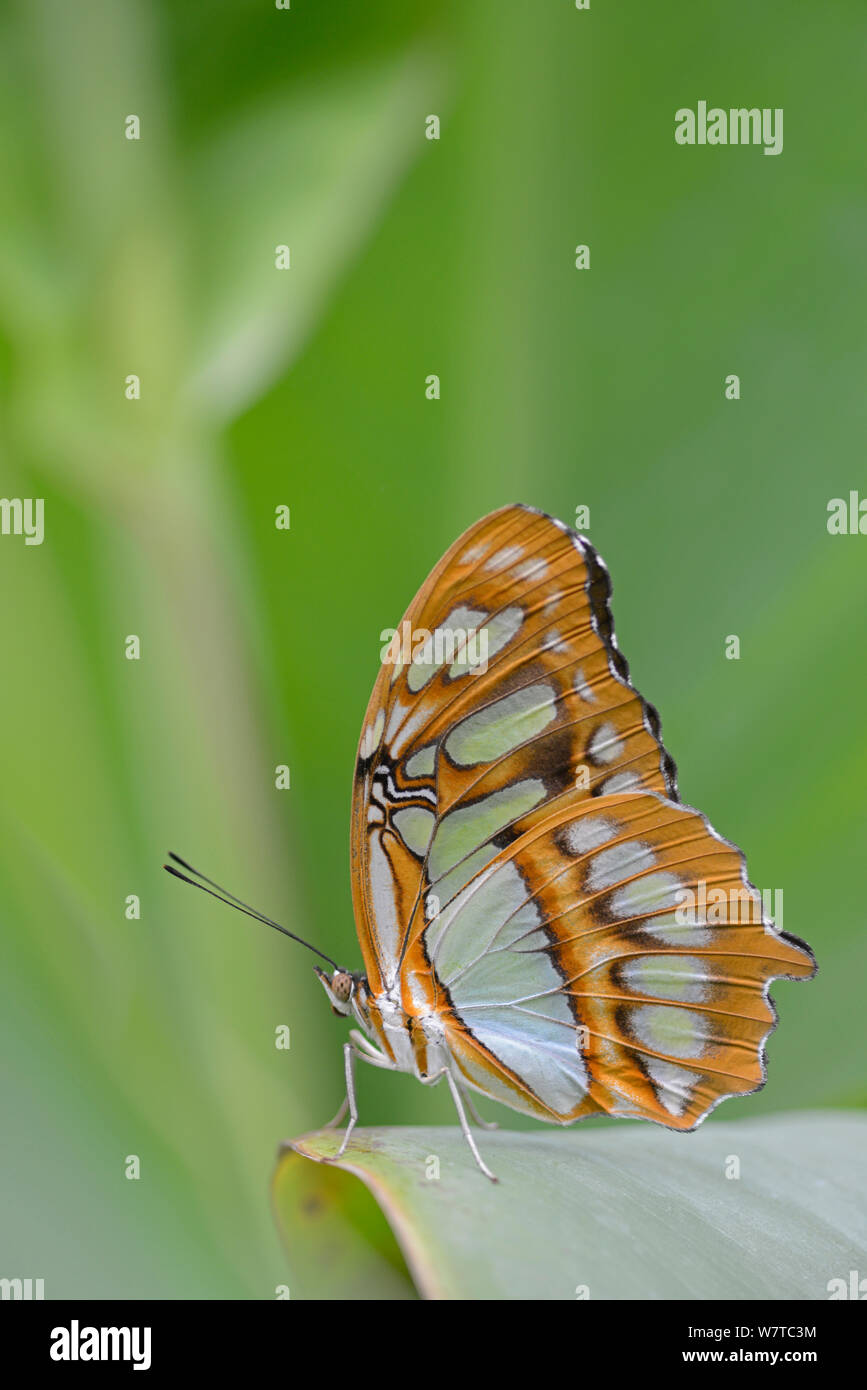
{"points": [[766, 1208], [339, 1244], [313, 171]]}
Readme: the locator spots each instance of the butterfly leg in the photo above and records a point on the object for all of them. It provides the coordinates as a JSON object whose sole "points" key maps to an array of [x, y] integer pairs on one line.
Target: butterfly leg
{"points": [[474, 1114], [332, 1124], [349, 1067], [467, 1132], [358, 1046], [366, 1050]]}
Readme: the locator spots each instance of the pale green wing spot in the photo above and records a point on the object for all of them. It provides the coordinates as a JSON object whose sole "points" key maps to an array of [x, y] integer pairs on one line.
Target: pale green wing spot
{"points": [[415, 826], [422, 667], [618, 862], [503, 725], [444, 646], [679, 1032], [502, 628], [488, 949], [466, 622], [467, 830], [667, 977], [492, 911], [653, 892], [450, 883], [468, 827], [681, 928], [422, 763], [542, 1051]]}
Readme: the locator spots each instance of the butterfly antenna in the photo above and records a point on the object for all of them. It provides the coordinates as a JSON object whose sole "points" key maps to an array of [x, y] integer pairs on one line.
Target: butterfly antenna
{"points": [[224, 896]]}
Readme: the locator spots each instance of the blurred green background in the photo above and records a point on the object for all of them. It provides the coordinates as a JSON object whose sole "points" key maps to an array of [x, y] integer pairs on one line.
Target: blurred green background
{"points": [[305, 387]]}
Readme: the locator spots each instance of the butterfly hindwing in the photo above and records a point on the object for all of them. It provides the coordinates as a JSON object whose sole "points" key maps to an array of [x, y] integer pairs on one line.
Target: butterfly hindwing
{"points": [[615, 958]]}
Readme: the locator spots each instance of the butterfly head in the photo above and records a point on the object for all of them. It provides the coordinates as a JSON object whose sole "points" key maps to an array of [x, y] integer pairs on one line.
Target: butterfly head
{"points": [[340, 987]]}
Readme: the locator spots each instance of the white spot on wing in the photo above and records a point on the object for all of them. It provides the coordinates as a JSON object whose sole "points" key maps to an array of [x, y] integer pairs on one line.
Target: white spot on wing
{"points": [[588, 833], [532, 570], [673, 1084], [502, 559], [685, 927], [621, 782], [382, 893], [554, 642], [652, 893], [371, 737], [605, 744], [620, 861], [582, 688]]}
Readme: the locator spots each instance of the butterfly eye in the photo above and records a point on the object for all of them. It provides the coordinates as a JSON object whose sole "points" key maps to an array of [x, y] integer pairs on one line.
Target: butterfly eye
{"points": [[341, 986]]}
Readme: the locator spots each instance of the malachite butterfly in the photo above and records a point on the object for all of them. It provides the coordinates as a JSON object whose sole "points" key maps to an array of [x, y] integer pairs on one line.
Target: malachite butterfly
{"points": [[541, 919]]}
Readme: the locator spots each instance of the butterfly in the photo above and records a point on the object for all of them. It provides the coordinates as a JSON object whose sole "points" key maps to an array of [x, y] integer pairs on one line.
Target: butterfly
{"points": [[541, 919]]}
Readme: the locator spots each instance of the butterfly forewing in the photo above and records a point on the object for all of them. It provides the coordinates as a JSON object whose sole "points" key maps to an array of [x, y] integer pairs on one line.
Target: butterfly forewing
{"points": [[521, 865], [454, 747]]}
